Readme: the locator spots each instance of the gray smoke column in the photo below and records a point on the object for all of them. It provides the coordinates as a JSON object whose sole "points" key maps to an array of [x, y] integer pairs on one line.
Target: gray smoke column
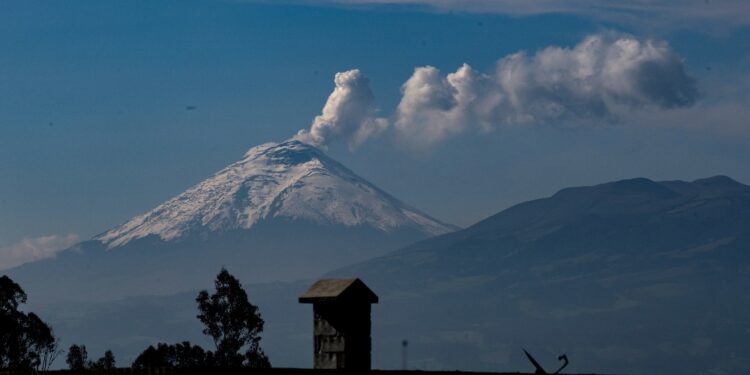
{"points": [[349, 114], [600, 79]]}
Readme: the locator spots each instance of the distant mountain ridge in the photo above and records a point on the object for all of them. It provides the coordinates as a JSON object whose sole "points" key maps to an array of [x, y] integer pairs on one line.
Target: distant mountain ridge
{"points": [[625, 197]]}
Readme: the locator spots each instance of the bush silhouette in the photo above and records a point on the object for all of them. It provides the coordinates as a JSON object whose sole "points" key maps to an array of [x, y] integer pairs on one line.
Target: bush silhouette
{"points": [[107, 362], [182, 355]]}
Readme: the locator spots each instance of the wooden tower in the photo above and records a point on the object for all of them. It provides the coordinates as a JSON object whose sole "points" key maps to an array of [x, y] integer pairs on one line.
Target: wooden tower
{"points": [[341, 325]]}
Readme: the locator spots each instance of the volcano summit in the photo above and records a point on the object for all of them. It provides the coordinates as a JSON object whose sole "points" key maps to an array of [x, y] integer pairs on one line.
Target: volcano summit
{"points": [[285, 211]]}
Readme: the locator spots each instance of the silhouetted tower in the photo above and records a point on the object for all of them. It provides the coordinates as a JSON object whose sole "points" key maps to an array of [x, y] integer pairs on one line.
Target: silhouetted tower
{"points": [[341, 326]]}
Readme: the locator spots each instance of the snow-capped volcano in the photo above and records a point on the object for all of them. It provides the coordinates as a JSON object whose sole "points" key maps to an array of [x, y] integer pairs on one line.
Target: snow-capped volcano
{"points": [[291, 180], [283, 212]]}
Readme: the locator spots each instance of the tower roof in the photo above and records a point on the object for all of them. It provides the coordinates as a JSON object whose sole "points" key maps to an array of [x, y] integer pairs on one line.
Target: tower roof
{"points": [[333, 290]]}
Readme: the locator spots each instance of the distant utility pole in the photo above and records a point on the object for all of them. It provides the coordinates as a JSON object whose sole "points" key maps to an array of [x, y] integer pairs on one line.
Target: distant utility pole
{"points": [[404, 354]]}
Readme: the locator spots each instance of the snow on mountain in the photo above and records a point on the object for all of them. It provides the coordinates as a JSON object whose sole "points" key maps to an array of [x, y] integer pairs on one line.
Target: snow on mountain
{"points": [[290, 180]]}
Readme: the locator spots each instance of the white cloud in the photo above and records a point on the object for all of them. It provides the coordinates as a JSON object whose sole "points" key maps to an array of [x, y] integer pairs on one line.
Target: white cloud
{"points": [[658, 14], [601, 78], [33, 249], [434, 107], [604, 78], [349, 114]]}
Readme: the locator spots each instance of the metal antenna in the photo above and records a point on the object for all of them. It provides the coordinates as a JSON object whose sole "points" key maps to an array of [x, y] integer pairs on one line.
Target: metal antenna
{"points": [[563, 358], [539, 369], [404, 356]]}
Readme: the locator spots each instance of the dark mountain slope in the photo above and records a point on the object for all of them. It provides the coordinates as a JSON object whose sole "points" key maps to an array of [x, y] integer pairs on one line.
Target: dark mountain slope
{"points": [[634, 276], [631, 276]]}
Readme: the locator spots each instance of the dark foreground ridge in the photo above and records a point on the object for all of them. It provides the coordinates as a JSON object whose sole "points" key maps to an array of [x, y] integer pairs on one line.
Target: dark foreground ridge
{"points": [[266, 371]]}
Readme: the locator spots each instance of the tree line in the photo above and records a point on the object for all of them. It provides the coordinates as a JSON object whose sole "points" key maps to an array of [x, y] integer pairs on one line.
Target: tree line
{"points": [[233, 323]]}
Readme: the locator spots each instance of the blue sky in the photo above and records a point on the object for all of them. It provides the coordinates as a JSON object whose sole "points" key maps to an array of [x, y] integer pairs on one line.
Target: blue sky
{"points": [[94, 126]]}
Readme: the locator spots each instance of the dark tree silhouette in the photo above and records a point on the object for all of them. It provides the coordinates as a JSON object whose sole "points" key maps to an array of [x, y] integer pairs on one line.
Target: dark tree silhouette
{"points": [[77, 358], [153, 357], [107, 362], [230, 320], [233, 323], [42, 344], [26, 342], [182, 355], [192, 356]]}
